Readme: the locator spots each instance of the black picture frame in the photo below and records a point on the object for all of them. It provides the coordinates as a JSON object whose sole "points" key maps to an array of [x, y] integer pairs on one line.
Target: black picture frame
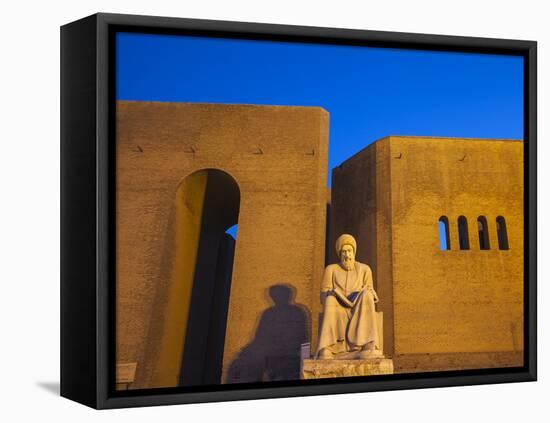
{"points": [[87, 209]]}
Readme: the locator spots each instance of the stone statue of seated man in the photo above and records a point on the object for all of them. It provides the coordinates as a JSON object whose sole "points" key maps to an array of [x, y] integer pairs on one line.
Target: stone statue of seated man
{"points": [[348, 298]]}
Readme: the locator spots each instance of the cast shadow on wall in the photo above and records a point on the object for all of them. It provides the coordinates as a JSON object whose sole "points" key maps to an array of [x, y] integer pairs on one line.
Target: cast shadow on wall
{"points": [[274, 353]]}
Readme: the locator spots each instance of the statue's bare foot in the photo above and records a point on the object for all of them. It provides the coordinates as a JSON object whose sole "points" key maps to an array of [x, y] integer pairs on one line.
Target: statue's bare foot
{"points": [[325, 354], [370, 351], [369, 346]]}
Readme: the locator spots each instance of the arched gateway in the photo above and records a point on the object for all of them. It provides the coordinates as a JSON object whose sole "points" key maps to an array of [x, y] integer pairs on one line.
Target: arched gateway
{"points": [[190, 301]]}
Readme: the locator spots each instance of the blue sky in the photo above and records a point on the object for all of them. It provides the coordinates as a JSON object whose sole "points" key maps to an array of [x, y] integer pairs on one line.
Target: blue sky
{"points": [[369, 92]]}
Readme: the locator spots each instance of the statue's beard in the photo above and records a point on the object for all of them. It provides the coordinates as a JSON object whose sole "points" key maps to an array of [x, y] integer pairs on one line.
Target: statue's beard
{"points": [[348, 263]]}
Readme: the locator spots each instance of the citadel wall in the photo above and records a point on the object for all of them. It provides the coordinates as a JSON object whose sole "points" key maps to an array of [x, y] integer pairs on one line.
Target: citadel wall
{"points": [[443, 309], [277, 156]]}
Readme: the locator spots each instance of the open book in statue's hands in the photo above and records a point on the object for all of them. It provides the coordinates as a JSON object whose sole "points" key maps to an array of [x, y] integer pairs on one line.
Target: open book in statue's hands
{"points": [[350, 302], [342, 299]]}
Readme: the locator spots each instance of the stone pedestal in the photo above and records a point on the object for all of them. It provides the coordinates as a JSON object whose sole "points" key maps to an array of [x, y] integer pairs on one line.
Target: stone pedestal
{"points": [[317, 369]]}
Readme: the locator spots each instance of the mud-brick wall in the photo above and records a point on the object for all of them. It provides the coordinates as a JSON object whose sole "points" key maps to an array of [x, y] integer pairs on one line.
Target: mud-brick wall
{"points": [[278, 158], [452, 309], [457, 301]]}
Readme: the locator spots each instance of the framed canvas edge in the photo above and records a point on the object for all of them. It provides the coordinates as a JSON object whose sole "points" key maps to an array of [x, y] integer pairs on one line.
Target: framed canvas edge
{"points": [[78, 219], [104, 167]]}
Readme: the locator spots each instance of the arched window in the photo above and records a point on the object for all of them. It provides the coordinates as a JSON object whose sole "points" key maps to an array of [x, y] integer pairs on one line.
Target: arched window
{"points": [[463, 240], [483, 232], [502, 234], [444, 238]]}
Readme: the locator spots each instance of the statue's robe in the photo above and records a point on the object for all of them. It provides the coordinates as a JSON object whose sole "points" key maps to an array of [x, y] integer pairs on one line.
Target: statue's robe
{"points": [[348, 328]]}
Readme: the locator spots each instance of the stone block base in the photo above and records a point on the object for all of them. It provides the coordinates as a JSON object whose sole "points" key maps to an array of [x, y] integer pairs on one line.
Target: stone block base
{"points": [[413, 363], [317, 369]]}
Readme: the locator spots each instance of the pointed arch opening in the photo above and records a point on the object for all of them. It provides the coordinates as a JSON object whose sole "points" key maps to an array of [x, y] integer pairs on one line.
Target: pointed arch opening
{"points": [[463, 238], [502, 234], [483, 232]]}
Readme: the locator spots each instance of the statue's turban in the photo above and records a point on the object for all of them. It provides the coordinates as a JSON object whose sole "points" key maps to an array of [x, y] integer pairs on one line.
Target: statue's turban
{"points": [[345, 239]]}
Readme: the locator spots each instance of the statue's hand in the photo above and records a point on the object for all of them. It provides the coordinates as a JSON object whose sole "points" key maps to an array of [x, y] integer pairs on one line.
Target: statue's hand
{"points": [[371, 290], [374, 295]]}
